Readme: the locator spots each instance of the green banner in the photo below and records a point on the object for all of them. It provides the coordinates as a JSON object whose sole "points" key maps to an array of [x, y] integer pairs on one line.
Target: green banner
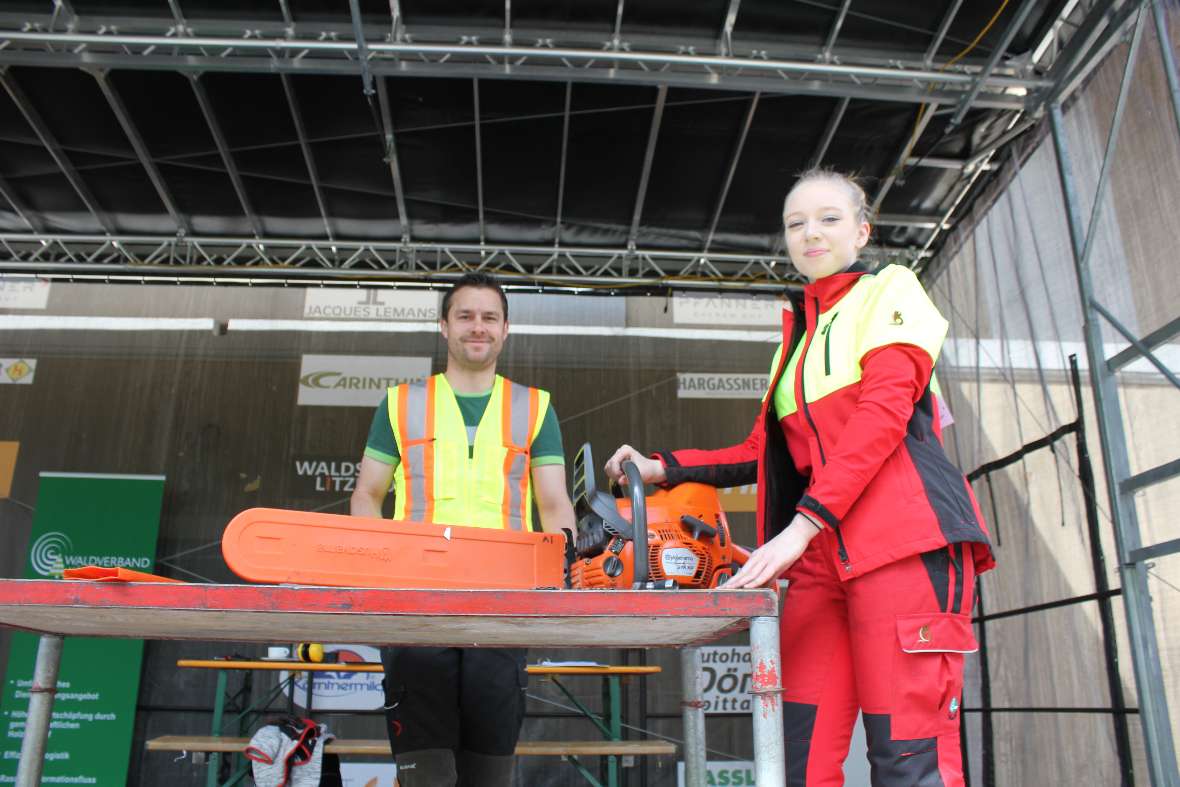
{"points": [[84, 519]]}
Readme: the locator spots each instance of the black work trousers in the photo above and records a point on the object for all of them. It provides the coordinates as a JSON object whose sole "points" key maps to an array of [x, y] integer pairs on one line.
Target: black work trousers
{"points": [[462, 699]]}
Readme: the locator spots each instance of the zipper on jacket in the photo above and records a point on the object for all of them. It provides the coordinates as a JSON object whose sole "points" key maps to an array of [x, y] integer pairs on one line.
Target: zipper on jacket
{"points": [[827, 332], [841, 550], [803, 390]]}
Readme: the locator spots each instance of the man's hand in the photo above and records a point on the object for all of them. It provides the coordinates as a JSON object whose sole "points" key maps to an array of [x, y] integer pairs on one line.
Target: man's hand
{"points": [[652, 470], [774, 557]]}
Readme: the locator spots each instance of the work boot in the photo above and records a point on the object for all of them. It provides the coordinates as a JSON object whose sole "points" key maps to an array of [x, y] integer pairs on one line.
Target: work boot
{"points": [[426, 768], [486, 770]]}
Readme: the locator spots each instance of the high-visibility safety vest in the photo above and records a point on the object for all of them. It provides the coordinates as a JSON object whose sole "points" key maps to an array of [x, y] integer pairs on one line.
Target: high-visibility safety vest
{"points": [[879, 310], [443, 479]]}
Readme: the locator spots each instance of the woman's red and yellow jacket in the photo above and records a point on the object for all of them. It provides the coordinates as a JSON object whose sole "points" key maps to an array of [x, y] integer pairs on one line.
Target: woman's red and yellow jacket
{"points": [[848, 431]]}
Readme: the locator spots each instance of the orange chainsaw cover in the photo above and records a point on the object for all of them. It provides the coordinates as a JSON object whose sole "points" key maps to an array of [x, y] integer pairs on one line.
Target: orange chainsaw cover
{"points": [[116, 574], [296, 547]]}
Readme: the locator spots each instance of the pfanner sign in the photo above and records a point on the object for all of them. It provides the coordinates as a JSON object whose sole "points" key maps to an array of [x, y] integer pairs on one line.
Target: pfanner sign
{"points": [[726, 311], [390, 305], [355, 380]]}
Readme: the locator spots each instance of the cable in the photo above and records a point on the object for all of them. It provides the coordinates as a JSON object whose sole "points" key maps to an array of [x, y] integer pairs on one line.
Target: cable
{"points": [[901, 168]]}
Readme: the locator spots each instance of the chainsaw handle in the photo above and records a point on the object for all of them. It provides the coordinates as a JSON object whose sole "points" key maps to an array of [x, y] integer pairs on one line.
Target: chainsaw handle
{"points": [[638, 522]]}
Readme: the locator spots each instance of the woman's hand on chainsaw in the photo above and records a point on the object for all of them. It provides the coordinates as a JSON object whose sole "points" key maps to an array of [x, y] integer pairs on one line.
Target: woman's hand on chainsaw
{"points": [[769, 561], [652, 470]]}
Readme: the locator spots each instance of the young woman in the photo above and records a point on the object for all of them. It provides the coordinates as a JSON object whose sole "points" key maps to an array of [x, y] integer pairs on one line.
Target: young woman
{"points": [[859, 507]]}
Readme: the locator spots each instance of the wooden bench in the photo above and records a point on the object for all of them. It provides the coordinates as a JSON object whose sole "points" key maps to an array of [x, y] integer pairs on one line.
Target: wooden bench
{"points": [[380, 748], [615, 751]]}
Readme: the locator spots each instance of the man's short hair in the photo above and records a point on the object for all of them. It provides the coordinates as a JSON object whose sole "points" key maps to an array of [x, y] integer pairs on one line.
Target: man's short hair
{"points": [[484, 280]]}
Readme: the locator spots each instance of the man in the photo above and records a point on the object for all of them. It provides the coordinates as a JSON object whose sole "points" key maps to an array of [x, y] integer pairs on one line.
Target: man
{"points": [[465, 447]]}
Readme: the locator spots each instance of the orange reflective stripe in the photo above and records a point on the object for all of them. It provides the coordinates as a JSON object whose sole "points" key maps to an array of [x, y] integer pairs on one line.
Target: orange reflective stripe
{"points": [[506, 413]]}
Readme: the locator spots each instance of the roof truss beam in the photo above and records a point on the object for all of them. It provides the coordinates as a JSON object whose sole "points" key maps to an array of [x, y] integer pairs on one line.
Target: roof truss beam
{"points": [[301, 260], [18, 206], [940, 36], [825, 141], [478, 161], [893, 174], [1001, 49], [733, 165], [395, 173], [231, 168], [305, 148], [206, 53], [648, 157], [725, 42], [565, 139], [137, 143], [49, 141], [826, 55]]}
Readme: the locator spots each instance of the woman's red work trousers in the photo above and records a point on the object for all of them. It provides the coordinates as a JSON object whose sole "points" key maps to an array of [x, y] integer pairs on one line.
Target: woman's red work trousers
{"points": [[889, 644]]}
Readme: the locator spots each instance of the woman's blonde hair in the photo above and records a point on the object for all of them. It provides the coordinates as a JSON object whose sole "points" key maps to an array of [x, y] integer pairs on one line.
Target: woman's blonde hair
{"points": [[860, 200]]}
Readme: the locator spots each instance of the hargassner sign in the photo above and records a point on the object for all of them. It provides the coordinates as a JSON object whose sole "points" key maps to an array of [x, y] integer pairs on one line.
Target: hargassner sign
{"points": [[716, 385], [355, 380]]}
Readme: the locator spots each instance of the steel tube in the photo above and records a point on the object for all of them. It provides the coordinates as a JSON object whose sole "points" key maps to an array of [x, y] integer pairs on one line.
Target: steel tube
{"points": [[41, 696], [770, 760], [693, 713], [1145, 655], [513, 52]]}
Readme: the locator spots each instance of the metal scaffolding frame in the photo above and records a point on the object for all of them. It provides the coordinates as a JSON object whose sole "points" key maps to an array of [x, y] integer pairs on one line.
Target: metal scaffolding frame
{"points": [[277, 260], [284, 45], [1121, 485]]}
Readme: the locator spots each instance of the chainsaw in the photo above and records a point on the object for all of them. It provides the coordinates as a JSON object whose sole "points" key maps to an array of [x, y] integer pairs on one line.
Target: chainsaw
{"points": [[674, 538], [682, 533]]}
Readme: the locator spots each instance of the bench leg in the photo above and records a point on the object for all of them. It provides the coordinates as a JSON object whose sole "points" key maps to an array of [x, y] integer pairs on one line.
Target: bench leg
{"points": [[614, 704], [580, 768], [41, 695], [218, 712], [693, 712], [766, 669]]}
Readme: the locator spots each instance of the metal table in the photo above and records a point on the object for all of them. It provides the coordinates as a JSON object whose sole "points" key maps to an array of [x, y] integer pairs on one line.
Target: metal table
{"points": [[458, 618]]}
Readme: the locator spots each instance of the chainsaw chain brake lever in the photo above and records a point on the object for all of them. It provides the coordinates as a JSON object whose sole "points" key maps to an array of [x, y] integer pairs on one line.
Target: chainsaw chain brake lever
{"points": [[698, 527]]}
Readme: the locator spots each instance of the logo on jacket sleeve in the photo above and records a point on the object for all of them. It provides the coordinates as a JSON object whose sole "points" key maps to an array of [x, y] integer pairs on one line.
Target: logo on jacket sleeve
{"points": [[897, 319]]}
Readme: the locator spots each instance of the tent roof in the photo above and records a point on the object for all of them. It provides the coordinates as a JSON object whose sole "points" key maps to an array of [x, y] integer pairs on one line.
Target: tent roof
{"points": [[598, 142]]}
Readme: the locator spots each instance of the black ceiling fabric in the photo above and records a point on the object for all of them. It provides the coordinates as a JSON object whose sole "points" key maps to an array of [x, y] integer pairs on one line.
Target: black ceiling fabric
{"points": [[484, 159]]}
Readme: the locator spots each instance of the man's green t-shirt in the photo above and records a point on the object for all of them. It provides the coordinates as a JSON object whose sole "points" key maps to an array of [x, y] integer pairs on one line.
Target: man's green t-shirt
{"points": [[545, 450]]}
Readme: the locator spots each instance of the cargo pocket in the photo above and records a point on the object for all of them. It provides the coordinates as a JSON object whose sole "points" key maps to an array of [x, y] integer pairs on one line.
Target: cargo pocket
{"points": [[928, 674], [491, 484], [450, 457]]}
